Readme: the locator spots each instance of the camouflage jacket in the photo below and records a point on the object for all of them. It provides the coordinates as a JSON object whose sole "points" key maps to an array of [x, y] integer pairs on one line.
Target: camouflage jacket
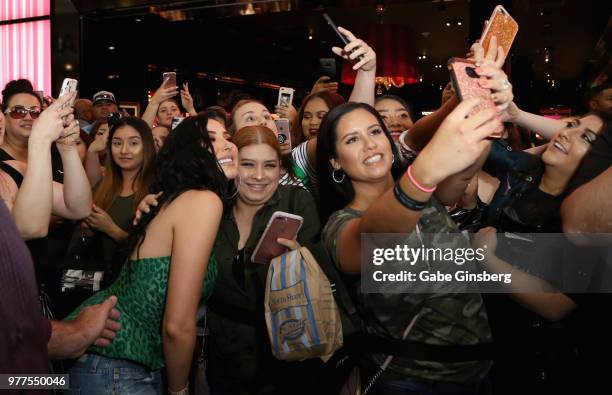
{"points": [[449, 317]]}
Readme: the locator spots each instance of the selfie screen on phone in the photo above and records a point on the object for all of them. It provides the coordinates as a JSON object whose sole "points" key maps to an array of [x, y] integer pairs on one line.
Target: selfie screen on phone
{"points": [[284, 99]]}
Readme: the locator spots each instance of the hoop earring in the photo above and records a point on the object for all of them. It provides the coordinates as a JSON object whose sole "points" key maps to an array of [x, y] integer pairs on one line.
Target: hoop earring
{"points": [[336, 180]]}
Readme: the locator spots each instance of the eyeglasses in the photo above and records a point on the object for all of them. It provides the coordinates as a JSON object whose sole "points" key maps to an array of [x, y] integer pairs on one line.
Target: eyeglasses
{"points": [[20, 112]]}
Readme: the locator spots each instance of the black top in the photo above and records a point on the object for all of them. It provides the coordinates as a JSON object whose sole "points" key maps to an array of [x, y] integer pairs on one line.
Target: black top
{"points": [[47, 253], [519, 205]]}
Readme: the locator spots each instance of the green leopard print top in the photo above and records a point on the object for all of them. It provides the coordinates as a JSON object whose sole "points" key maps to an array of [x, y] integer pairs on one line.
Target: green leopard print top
{"points": [[141, 291]]}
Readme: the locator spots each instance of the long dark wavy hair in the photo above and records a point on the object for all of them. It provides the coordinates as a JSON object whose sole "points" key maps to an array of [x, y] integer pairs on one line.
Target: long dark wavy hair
{"points": [[334, 196], [185, 162]]}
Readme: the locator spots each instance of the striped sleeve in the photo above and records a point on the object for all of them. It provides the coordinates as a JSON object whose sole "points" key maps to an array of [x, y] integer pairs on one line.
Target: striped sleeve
{"points": [[300, 158]]}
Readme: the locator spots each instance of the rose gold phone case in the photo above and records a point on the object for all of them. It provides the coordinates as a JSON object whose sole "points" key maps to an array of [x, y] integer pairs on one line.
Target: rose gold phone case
{"points": [[502, 26], [281, 224], [465, 82]]}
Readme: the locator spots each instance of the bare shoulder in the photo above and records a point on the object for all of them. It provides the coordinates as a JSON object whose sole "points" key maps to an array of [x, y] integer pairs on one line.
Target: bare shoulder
{"points": [[196, 205], [194, 198]]}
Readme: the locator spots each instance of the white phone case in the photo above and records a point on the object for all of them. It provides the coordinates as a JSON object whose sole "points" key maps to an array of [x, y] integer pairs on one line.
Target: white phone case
{"points": [[285, 96], [69, 85]]}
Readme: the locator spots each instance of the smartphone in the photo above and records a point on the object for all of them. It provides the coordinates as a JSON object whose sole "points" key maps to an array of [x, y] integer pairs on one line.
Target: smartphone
{"points": [[285, 96], [170, 77], [284, 131], [335, 29], [281, 224], [465, 82], [502, 26], [114, 118], [176, 121], [68, 86], [327, 67]]}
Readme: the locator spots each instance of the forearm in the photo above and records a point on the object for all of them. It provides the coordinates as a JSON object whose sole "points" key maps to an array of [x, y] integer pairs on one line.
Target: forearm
{"points": [[365, 86], [589, 208], [192, 112], [34, 202], [424, 129], [66, 341], [452, 188], [93, 168], [545, 127], [149, 115], [117, 234], [387, 215], [178, 352], [77, 189]]}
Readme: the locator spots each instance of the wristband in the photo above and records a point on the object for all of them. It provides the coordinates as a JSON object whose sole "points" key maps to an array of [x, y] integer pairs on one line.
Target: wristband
{"points": [[406, 200], [416, 184]]}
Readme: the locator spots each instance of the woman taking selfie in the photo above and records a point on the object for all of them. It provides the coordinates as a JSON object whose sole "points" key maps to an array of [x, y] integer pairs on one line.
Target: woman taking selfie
{"points": [[364, 189]]}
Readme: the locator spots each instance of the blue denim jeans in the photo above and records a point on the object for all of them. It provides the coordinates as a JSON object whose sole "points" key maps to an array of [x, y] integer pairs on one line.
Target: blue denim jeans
{"points": [[97, 375], [414, 387]]}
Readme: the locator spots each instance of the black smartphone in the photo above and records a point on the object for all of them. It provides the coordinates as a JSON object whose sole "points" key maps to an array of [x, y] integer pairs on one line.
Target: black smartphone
{"points": [[327, 67], [335, 29]]}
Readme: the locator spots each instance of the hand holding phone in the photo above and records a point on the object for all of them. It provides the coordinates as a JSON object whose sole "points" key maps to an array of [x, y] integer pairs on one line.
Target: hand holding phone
{"points": [[284, 132], [169, 79], [465, 82], [285, 96], [281, 225], [69, 85], [355, 50]]}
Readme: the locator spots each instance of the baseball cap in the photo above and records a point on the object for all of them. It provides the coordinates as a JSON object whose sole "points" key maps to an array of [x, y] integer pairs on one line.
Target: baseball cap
{"points": [[104, 95]]}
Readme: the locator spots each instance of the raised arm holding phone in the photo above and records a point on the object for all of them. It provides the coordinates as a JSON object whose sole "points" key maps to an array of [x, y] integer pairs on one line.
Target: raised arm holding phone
{"points": [[37, 196]]}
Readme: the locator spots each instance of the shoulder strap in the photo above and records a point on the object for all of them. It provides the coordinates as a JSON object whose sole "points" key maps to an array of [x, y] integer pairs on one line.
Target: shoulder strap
{"points": [[351, 320], [11, 171]]}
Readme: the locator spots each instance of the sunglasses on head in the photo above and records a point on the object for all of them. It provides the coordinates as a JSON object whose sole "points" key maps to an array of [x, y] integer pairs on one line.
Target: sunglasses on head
{"points": [[20, 112]]}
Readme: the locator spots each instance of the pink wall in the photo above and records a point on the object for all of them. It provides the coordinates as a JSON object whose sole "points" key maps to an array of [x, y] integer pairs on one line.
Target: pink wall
{"points": [[25, 48], [19, 9]]}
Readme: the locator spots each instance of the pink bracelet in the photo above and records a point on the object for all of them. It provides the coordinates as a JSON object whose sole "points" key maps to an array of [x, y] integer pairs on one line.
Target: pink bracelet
{"points": [[416, 184]]}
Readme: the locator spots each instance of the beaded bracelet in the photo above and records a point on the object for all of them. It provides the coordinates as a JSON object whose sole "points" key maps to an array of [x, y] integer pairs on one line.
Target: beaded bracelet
{"points": [[406, 200], [416, 184]]}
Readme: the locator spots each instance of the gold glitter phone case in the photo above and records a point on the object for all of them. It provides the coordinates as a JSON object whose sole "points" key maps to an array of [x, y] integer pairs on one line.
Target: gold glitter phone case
{"points": [[465, 82], [502, 26]]}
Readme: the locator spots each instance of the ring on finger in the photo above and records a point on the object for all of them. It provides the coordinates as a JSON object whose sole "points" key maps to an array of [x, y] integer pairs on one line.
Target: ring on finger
{"points": [[505, 85]]}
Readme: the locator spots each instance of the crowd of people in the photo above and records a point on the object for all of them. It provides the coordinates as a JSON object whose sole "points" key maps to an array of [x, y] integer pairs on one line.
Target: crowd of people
{"points": [[126, 243]]}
